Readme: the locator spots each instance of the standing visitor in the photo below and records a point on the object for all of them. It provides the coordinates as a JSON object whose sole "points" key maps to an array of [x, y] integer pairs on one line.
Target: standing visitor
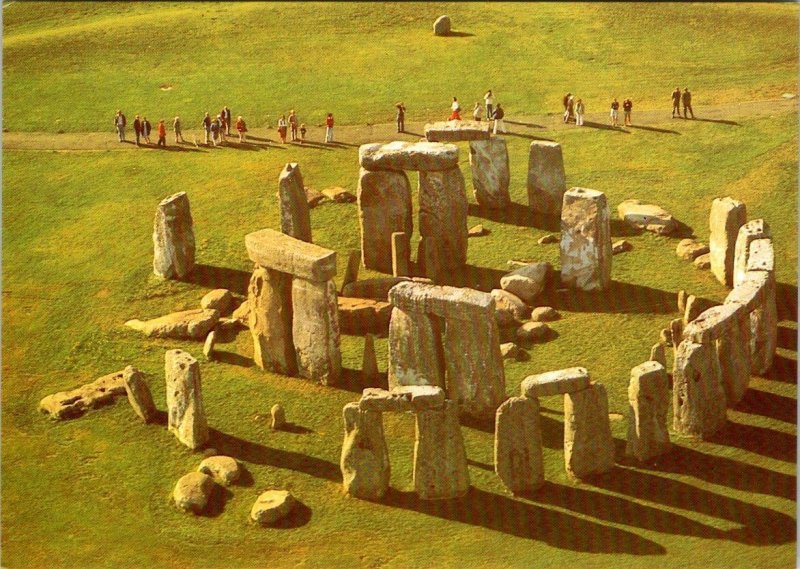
{"points": [[226, 114], [137, 128], [627, 105], [282, 128], [206, 127], [162, 133], [477, 112], [329, 128], [455, 115], [499, 113], [676, 102], [241, 128], [615, 112], [293, 124], [215, 124], [488, 100], [146, 128], [687, 103], [579, 110], [119, 123], [176, 127], [565, 102], [570, 108], [401, 117], [302, 132], [222, 126]]}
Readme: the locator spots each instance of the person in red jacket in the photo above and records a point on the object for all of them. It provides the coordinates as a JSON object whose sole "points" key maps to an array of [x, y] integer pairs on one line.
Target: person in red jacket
{"points": [[329, 128], [242, 128], [162, 133]]}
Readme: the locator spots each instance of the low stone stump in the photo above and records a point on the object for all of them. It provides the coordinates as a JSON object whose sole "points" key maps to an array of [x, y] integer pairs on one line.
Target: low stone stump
{"points": [[269, 296], [658, 354], [416, 356], [277, 416], [399, 155], [456, 131], [440, 460], [441, 27], [188, 324], [510, 310], [749, 232], [224, 470], [727, 216], [139, 395], [648, 399], [646, 216], [272, 506], [491, 174], [74, 403], [187, 418], [443, 218], [518, 445], [558, 382], [698, 397], [192, 491], [588, 444], [384, 208], [365, 457], [315, 330], [546, 179], [173, 238], [295, 216], [585, 240]]}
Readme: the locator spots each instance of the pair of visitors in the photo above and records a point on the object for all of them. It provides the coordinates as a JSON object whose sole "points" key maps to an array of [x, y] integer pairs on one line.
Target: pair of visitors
{"points": [[329, 128], [241, 128], [142, 129], [401, 117], [119, 123]]}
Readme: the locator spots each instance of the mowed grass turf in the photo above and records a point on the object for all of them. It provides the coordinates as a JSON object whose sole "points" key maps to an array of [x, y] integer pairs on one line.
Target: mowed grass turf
{"points": [[77, 254]]}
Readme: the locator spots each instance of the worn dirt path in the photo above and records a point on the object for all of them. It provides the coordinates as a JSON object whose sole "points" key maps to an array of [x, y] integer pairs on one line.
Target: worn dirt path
{"points": [[658, 121]]}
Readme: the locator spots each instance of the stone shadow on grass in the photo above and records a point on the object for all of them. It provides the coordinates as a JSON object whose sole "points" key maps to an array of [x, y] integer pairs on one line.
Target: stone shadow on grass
{"points": [[298, 517], [528, 521], [786, 298], [654, 129], [232, 359], [758, 440], [480, 278], [783, 370], [769, 405], [216, 501], [517, 214], [523, 135], [787, 338], [528, 124], [619, 297], [353, 380], [212, 277]]}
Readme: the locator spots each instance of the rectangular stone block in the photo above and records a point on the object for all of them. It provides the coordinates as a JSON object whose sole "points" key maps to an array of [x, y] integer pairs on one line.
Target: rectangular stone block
{"points": [[713, 323], [491, 175], [733, 353], [443, 215], [365, 458], [416, 355], [518, 457], [546, 179], [555, 382], [588, 444], [751, 291], [315, 330], [585, 240], [648, 400], [750, 231], [295, 216], [727, 216], [269, 296], [455, 131], [444, 301], [274, 250], [698, 397], [185, 412], [764, 327], [440, 460], [173, 238], [762, 256], [402, 398], [399, 155]]}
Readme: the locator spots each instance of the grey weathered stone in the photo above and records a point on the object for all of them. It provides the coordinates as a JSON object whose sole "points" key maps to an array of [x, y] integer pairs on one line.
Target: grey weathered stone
{"points": [[365, 457], [313, 197], [443, 301], [351, 271], [733, 353], [173, 238], [295, 217], [223, 469], [359, 316], [139, 395], [455, 131], [441, 27], [401, 254], [648, 400], [491, 175], [399, 155], [533, 332], [647, 216], [384, 208], [518, 457], [764, 329], [751, 291], [415, 349], [555, 382], [219, 299], [695, 306], [749, 232], [727, 216], [440, 460], [510, 350], [274, 250], [713, 323], [186, 416], [527, 282], [675, 331], [208, 346], [690, 249], [588, 444], [585, 240], [698, 397], [338, 195], [761, 256], [621, 246], [443, 216], [369, 361], [402, 398], [315, 330], [269, 298], [73, 403], [703, 262], [658, 354], [546, 179], [277, 417], [509, 308], [544, 314], [189, 324], [272, 506], [192, 492]]}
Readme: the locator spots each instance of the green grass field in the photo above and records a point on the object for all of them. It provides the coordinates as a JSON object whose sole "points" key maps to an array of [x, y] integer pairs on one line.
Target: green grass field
{"points": [[77, 263]]}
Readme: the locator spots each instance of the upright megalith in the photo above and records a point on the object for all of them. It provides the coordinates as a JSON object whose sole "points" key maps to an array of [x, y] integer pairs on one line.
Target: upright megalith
{"points": [[440, 459], [764, 318], [365, 457], [648, 402], [269, 296], [443, 216], [727, 216], [186, 416], [491, 175], [585, 240], [295, 217], [173, 238], [588, 444], [441, 27], [315, 330], [698, 397], [416, 356], [518, 445], [384, 208], [546, 178], [749, 232]]}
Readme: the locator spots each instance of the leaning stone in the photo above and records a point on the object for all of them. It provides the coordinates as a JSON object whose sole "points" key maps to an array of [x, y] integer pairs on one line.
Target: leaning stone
{"points": [[398, 155], [533, 332], [295, 218], [527, 282], [74, 403], [441, 27], [359, 316], [622, 246], [585, 240], [548, 239], [698, 399], [223, 469], [695, 306], [286, 254], [315, 330], [189, 324], [491, 175], [440, 460], [139, 395], [269, 303], [555, 382], [727, 216], [208, 347], [219, 299], [187, 418], [647, 216], [384, 208], [401, 254], [690, 249], [415, 349], [713, 323], [456, 131], [509, 310], [518, 457], [338, 195], [369, 361], [546, 179], [588, 444], [173, 238], [703, 262], [351, 272], [272, 506], [443, 217], [749, 232], [544, 314], [365, 458], [192, 492], [648, 399], [658, 354], [277, 417]]}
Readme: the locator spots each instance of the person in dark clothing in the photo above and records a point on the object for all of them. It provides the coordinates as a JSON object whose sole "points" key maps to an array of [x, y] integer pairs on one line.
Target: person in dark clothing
{"points": [[687, 103], [627, 106], [137, 128], [401, 117], [614, 117], [146, 128], [676, 102], [226, 114]]}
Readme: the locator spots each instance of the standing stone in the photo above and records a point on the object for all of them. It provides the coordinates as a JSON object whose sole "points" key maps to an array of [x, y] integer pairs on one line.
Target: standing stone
{"points": [[401, 254], [658, 354], [365, 457], [208, 346], [648, 399], [295, 217], [173, 238], [518, 445], [749, 232], [428, 262], [588, 444], [351, 271], [369, 362], [727, 216], [139, 395], [441, 27], [491, 176], [764, 325], [384, 208], [585, 240], [269, 297], [733, 353], [676, 331], [443, 215], [682, 296], [546, 179], [277, 417], [440, 460], [416, 355], [187, 418], [315, 330], [698, 398]]}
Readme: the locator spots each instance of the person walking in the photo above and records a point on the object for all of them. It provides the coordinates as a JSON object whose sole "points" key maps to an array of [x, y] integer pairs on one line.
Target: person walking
{"points": [[477, 112], [676, 102], [223, 127], [162, 133], [215, 126], [119, 123], [627, 106], [282, 128], [146, 128], [241, 128], [488, 100], [579, 110], [455, 108], [137, 128], [614, 112], [687, 103], [401, 116], [226, 114], [302, 132], [499, 113], [206, 127], [293, 124], [176, 128], [329, 128]]}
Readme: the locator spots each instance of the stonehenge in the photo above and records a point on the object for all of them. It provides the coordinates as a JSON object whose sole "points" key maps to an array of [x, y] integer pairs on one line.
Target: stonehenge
{"points": [[585, 240], [173, 238], [546, 178], [727, 216]]}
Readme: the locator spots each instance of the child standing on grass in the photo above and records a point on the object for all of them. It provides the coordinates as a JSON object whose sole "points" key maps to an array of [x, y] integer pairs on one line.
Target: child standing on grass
{"points": [[329, 128], [303, 132], [162, 133]]}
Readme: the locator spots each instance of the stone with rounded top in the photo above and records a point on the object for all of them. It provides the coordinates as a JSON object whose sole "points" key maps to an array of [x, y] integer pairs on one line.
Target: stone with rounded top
{"points": [[690, 249], [272, 506], [173, 238], [556, 382], [192, 491], [509, 308], [277, 417], [442, 26], [223, 469], [219, 299], [518, 457], [726, 218], [527, 282]]}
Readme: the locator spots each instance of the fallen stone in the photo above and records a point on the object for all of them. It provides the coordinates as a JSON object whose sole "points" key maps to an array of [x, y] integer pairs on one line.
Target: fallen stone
{"points": [[749, 232], [339, 195], [242, 314], [649, 217], [690, 249], [703, 262], [648, 400], [219, 299], [621, 247], [139, 395], [533, 332], [518, 457], [186, 416], [585, 240], [441, 27], [588, 444], [440, 460], [208, 347], [272, 506], [398, 155], [315, 330], [527, 282], [546, 179], [269, 314], [477, 231], [188, 324], [294, 203], [359, 316], [510, 351], [443, 220], [491, 175], [549, 239], [555, 382], [658, 354], [369, 361], [544, 314], [456, 131], [509, 310], [727, 216], [192, 492], [698, 397], [224, 470], [365, 458], [286, 254], [74, 403], [789, 96], [313, 197], [173, 238]]}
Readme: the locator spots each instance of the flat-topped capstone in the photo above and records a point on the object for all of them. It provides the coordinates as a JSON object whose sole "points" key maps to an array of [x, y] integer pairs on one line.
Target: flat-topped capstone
{"points": [[399, 155], [443, 301], [274, 250], [402, 398], [556, 382], [453, 131]]}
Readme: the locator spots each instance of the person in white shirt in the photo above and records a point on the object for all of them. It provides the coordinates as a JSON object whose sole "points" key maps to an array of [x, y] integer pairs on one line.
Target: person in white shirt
{"points": [[477, 112], [456, 108], [488, 99]]}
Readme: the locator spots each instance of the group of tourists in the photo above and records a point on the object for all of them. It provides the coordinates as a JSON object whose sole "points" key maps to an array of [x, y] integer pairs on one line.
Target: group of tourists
{"points": [[494, 112]]}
